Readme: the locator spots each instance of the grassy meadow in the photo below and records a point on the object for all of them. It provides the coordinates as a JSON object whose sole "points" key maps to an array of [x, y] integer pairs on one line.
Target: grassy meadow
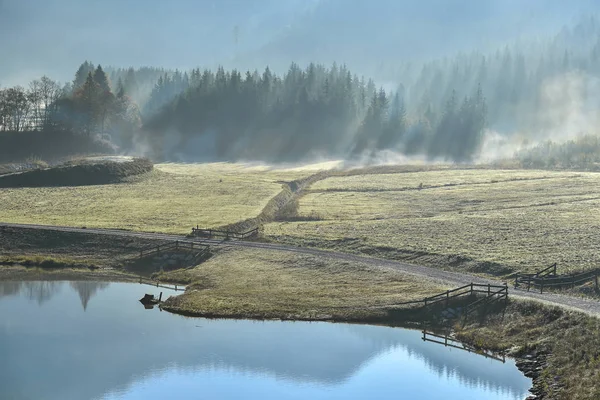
{"points": [[479, 220], [475, 219], [171, 199], [260, 283]]}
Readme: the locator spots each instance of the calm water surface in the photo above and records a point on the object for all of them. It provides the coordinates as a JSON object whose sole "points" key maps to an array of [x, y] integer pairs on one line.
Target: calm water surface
{"points": [[90, 340]]}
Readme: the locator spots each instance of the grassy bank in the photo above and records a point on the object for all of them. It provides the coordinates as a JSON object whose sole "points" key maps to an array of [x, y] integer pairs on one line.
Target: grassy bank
{"points": [[55, 249], [78, 173], [49, 145], [172, 199], [478, 220], [253, 283], [569, 342]]}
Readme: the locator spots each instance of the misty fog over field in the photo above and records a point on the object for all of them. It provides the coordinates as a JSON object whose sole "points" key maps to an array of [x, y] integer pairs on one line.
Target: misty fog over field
{"points": [[295, 80]]}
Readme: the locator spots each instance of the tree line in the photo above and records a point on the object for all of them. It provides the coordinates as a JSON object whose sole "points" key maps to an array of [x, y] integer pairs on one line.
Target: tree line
{"points": [[88, 106], [230, 115], [440, 110], [517, 79], [24, 109], [304, 113], [581, 153]]}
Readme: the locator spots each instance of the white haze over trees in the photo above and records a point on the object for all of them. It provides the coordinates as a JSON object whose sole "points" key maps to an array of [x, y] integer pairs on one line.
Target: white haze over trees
{"points": [[290, 80]]}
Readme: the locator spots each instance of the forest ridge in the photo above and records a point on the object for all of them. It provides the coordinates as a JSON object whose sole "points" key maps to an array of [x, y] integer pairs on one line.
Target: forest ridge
{"points": [[442, 109]]}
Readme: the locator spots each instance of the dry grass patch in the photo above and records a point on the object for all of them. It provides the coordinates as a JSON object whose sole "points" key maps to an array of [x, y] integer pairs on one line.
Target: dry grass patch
{"points": [[521, 219], [172, 199], [266, 284]]}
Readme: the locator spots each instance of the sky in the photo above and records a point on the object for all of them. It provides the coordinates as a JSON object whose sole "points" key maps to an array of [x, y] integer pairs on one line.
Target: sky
{"points": [[54, 36]]}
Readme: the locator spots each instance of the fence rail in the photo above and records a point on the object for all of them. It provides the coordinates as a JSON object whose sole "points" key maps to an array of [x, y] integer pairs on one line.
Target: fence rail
{"points": [[210, 233], [466, 290], [177, 245], [549, 278], [491, 294], [492, 297]]}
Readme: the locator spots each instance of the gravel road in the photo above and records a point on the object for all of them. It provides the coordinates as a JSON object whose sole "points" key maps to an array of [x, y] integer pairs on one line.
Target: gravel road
{"points": [[444, 277]]}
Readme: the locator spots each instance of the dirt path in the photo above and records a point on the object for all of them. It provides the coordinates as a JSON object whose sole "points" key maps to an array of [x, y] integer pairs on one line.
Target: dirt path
{"points": [[444, 277]]}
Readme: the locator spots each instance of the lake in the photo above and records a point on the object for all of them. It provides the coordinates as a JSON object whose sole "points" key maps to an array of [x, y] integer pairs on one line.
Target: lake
{"points": [[92, 340]]}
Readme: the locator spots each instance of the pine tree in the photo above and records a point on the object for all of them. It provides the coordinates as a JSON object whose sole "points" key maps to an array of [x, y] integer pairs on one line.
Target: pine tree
{"points": [[102, 80], [88, 99], [131, 83], [82, 74], [120, 89]]}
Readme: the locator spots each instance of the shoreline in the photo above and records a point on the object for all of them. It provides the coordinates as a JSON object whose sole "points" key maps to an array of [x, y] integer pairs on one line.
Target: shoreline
{"points": [[528, 364], [75, 264]]}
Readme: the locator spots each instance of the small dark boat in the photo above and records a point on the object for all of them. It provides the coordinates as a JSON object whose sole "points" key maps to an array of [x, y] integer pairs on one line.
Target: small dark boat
{"points": [[150, 300]]}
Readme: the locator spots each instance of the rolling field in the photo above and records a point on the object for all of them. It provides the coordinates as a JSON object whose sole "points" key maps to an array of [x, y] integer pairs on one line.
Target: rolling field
{"points": [[171, 199], [476, 220], [490, 221]]}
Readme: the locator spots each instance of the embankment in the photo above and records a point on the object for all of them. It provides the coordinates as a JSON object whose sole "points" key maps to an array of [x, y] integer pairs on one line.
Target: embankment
{"points": [[49, 145], [78, 173]]}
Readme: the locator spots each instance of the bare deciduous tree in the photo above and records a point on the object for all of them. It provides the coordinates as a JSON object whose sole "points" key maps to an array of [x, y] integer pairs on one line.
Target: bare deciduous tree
{"points": [[16, 107]]}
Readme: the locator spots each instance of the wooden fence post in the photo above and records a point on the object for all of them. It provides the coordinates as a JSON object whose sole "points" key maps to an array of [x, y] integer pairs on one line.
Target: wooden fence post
{"points": [[489, 290], [177, 245], [447, 298], [471, 294], [541, 287]]}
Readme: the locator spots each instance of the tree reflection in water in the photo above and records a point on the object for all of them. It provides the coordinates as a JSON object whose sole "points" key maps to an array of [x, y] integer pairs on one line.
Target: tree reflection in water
{"points": [[10, 288], [87, 290], [43, 291]]}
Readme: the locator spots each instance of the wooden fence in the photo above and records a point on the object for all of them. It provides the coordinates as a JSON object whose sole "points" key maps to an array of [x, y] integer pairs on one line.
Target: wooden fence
{"points": [[210, 233], [529, 278], [491, 292], [548, 278], [175, 246], [499, 293]]}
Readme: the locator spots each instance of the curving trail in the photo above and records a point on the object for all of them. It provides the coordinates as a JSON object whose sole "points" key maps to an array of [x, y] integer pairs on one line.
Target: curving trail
{"points": [[444, 277]]}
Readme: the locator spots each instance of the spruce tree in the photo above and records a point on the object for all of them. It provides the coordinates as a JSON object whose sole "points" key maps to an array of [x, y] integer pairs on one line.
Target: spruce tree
{"points": [[81, 75]]}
